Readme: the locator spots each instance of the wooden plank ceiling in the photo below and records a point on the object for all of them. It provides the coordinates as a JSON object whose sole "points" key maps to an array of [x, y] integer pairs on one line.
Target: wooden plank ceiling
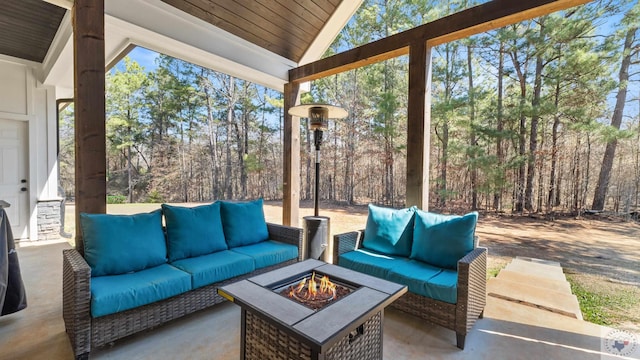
{"points": [[27, 28], [284, 27]]}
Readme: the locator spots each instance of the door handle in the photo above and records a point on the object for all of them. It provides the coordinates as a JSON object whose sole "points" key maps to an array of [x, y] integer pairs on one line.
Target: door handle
{"points": [[23, 181], [23, 189]]}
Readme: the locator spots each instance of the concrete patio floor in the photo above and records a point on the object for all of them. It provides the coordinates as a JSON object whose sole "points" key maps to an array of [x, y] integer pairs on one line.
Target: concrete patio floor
{"points": [[509, 330]]}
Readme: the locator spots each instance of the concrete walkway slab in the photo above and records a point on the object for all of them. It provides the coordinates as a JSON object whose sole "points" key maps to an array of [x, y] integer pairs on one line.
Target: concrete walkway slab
{"points": [[538, 281], [536, 269], [527, 294]]}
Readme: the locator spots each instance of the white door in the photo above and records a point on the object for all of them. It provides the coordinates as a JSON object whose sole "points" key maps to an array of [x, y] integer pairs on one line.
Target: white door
{"points": [[14, 186]]}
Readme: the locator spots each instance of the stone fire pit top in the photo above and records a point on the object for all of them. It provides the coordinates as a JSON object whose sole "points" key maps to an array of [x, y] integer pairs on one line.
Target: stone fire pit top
{"points": [[323, 326]]}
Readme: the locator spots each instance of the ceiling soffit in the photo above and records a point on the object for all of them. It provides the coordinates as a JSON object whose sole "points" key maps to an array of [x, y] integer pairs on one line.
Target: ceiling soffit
{"points": [[284, 27], [28, 27]]}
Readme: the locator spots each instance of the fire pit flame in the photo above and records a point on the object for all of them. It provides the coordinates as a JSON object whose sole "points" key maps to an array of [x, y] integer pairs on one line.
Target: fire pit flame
{"points": [[312, 290], [327, 286]]}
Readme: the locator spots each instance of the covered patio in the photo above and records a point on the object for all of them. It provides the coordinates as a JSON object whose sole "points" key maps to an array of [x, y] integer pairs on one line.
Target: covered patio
{"points": [[509, 330], [67, 53]]}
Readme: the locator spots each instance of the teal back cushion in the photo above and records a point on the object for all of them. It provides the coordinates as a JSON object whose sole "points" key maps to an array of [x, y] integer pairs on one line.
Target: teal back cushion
{"points": [[389, 231], [193, 231], [243, 222], [118, 244], [442, 240]]}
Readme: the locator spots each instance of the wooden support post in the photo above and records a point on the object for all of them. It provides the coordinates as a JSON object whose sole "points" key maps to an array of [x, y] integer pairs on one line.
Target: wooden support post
{"points": [[291, 155], [418, 127], [89, 89]]}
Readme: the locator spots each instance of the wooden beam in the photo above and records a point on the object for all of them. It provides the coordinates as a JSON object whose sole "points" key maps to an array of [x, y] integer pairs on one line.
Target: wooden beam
{"points": [[291, 157], [67, 4], [418, 126], [120, 56], [89, 89], [482, 18]]}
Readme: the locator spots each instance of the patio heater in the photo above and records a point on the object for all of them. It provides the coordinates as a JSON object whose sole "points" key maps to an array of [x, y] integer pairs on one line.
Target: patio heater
{"points": [[316, 227]]}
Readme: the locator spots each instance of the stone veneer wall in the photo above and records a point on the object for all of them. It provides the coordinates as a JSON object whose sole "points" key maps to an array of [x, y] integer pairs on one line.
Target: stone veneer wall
{"points": [[49, 219]]}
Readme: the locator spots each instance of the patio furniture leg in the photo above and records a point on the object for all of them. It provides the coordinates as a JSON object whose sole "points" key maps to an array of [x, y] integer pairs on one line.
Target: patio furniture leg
{"points": [[460, 340], [84, 356]]}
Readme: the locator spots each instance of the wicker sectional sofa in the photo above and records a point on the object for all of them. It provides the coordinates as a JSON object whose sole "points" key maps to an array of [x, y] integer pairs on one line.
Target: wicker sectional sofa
{"points": [[436, 256], [176, 269]]}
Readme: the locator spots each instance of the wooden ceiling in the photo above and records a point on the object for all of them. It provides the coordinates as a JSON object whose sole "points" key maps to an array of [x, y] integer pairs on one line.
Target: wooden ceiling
{"points": [[284, 27], [27, 28]]}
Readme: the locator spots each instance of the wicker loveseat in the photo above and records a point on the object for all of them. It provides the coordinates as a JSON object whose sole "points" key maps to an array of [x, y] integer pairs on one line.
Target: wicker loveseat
{"points": [[177, 269], [436, 256]]}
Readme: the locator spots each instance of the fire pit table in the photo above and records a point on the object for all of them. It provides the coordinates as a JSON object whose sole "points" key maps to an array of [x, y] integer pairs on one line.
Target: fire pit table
{"points": [[312, 310]]}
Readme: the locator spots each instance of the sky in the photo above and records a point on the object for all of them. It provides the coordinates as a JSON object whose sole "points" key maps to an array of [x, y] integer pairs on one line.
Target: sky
{"points": [[146, 58]]}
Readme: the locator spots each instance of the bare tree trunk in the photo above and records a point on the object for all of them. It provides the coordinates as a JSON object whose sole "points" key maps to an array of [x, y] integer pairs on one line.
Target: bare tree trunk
{"points": [[521, 151], [129, 167], [183, 165], [213, 142], [616, 120], [129, 176], [497, 196], [533, 138], [443, 169], [472, 133], [552, 198], [262, 187], [522, 78], [228, 186], [242, 140], [443, 186], [585, 187], [576, 177], [241, 153], [637, 165], [540, 171]]}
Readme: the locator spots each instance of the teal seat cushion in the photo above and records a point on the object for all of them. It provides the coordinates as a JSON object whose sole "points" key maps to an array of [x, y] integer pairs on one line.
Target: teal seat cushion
{"points": [[216, 267], [243, 222], [267, 253], [426, 280], [193, 231], [442, 240], [118, 244], [444, 286], [370, 262], [115, 293], [389, 231]]}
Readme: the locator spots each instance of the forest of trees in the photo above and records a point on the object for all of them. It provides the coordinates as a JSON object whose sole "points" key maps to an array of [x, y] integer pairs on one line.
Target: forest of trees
{"points": [[541, 116]]}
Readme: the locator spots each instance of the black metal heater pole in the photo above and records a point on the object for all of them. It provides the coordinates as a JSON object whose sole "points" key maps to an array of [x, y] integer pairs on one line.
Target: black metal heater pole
{"points": [[317, 139]]}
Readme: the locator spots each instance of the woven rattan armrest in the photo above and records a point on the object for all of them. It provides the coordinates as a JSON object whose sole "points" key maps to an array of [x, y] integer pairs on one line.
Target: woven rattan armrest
{"points": [[472, 289], [286, 234], [472, 268], [76, 297], [345, 242]]}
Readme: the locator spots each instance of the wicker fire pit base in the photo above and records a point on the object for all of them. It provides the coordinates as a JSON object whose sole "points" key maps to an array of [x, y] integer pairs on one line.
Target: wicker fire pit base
{"points": [[276, 327], [263, 340]]}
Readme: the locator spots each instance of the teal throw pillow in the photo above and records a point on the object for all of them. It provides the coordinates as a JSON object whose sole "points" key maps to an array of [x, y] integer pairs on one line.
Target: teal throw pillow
{"points": [[119, 244], [193, 231], [442, 240], [389, 231], [243, 222]]}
